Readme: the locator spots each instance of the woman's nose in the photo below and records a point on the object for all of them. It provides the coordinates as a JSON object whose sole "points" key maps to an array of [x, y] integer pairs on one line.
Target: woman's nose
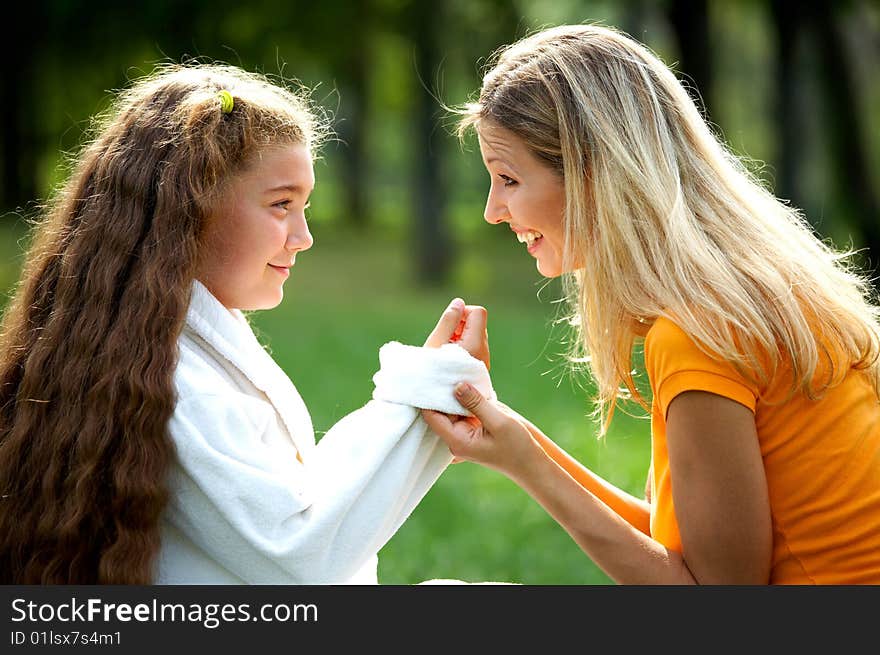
{"points": [[495, 212]]}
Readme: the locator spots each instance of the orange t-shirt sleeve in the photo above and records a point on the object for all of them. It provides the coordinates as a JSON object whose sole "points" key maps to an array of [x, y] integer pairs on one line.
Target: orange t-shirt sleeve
{"points": [[676, 364]]}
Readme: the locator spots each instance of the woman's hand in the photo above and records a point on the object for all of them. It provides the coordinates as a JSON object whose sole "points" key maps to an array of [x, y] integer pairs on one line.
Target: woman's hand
{"points": [[464, 325], [495, 436]]}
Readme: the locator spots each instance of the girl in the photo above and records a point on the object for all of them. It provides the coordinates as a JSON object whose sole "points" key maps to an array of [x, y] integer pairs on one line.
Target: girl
{"points": [[760, 343], [145, 435]]}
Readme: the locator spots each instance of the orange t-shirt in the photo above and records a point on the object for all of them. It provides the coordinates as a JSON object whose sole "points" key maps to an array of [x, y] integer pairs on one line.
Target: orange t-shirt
{"points": [[821, 459]]}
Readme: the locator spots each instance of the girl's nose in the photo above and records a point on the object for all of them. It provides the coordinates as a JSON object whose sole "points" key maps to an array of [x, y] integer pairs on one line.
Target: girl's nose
{"points": [[299, 240]]}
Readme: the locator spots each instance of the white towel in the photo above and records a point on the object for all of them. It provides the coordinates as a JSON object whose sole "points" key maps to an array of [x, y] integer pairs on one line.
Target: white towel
{"points": [[426, 377]]}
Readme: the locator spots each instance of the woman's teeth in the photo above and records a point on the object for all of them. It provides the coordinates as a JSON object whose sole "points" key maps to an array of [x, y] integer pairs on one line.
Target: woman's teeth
{"points": [[529, 237]]}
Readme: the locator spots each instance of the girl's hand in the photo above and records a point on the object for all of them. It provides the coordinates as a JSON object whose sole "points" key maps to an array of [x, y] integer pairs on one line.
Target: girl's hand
{"points": [[451, 322], [464, 325], [471, 333], [495, 436]]}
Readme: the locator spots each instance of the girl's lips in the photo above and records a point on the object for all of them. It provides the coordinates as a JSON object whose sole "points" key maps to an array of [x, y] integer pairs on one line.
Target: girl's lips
{"points": [[537, 244], [284, 270]]}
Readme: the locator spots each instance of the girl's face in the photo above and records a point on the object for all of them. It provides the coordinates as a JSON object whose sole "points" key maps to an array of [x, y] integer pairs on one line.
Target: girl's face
{"points": [[526, 194], [252, 239]]}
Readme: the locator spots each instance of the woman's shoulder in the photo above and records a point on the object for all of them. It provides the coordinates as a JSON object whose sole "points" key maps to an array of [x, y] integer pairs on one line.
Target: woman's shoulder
{"points": [[667, 335], [669, 348], [675, 362]]}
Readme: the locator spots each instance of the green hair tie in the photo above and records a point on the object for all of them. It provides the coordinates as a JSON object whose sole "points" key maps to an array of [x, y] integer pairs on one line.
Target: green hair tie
{"points": [[226, 101]]}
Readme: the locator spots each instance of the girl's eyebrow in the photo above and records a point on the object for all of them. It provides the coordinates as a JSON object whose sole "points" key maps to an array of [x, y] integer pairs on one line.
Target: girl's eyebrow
{"points": [[293, 188]]}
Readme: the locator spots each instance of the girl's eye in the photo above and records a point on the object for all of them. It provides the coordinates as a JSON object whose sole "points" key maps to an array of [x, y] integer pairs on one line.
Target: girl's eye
{"points": [[281, 204], [508, 181]]}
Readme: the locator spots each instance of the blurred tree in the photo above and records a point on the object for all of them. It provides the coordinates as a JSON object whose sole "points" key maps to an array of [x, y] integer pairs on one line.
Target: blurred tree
{"points": [[354, 74], [790, 100], [472, 31], [853, 192], [432, 239], [48, 85], [339, 32], [19, 93], [690, 22]]}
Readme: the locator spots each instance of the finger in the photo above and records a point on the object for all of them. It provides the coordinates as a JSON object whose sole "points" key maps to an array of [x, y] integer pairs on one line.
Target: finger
{"points": [[475, 323], [452, 433], [437, 421], [490, 416], [447, 324], [456, 335], [474, 336]]}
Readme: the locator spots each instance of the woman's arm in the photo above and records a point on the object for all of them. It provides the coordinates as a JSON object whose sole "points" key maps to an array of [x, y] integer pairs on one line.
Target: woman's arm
{"points": [[725, 531], [719, 489], [634, 511]]}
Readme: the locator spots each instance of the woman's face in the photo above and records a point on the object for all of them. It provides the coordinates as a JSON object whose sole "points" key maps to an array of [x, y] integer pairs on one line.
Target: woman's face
{"points": [[252, 239], [526, 194]]}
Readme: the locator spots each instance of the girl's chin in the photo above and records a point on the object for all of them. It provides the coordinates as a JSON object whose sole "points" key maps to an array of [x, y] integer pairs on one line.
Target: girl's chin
{"points": [[262, 301]]}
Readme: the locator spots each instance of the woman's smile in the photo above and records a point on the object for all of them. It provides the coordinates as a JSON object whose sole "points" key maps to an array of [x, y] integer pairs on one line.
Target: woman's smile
{"points": [[531, 238]]}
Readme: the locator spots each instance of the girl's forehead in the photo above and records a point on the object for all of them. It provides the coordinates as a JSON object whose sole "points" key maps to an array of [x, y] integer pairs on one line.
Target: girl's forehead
{"points": [[291, 158]]}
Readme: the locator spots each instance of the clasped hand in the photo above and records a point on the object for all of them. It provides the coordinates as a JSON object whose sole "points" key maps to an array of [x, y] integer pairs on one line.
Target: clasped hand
{"points": [[495, 436], [464, 325]]}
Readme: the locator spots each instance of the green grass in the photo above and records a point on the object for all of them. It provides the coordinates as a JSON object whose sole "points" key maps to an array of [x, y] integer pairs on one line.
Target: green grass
{"points": [[351, 294]]}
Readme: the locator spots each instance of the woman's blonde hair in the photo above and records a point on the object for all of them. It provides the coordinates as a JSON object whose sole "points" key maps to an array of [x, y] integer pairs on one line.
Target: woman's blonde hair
{"points": [[662, 220]]}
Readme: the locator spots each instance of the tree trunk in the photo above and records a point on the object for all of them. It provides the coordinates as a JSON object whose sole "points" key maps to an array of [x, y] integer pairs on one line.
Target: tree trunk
{"points": [[18, 138], [850, 161], [690, 22], [431, 237], [353, 126], [790, 103]]}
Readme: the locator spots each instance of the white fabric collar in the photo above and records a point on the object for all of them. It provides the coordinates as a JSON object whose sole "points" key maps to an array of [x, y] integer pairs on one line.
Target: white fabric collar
{"points": [[229, 333]]}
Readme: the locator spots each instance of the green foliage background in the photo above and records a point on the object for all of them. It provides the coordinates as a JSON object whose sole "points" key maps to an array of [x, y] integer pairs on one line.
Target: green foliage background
{"points": [[369, 62]]}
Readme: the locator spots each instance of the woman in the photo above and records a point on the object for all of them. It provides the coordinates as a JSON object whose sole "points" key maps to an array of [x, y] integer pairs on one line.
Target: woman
{"points": [[760, 342]]}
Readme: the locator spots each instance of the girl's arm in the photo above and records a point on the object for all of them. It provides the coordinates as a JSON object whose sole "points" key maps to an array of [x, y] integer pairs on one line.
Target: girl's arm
{"points": [[243, 497], [720, 492]]}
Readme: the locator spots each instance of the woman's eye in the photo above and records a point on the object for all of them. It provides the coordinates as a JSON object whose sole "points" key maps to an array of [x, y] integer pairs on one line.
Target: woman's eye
{"points": [[508, 181]]}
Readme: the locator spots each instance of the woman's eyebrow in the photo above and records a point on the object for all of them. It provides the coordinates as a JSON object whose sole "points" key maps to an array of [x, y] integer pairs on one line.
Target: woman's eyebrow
{"points": [[506, 162]]}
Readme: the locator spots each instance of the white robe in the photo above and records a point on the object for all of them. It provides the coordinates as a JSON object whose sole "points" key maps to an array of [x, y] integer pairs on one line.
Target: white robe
{"points": [[254, 500]]}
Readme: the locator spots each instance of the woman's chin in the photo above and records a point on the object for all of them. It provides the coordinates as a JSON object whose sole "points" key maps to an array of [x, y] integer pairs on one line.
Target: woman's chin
{"points": [[549, 269]]}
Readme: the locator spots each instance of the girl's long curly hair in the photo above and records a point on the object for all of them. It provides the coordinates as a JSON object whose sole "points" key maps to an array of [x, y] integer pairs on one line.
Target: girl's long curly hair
{"points": [[88, 343]]}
